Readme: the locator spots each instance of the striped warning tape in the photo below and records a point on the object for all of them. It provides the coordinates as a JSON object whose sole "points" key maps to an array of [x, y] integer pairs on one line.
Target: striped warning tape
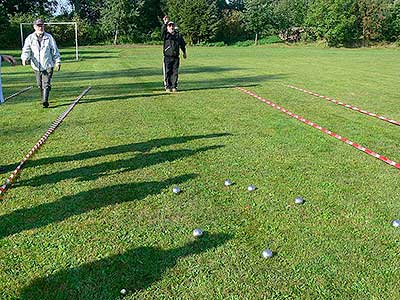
{"points": [[335, 135], [43, 139], [17, 93], [363, 111]]}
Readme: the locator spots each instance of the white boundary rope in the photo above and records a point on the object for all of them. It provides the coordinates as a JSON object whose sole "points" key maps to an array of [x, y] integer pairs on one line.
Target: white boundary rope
{"points": [[363, 111], [17, 93], [324, 130]]}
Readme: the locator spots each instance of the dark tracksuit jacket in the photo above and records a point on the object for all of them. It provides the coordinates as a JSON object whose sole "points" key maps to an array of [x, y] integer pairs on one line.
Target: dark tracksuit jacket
{"points": [[172, 44]]}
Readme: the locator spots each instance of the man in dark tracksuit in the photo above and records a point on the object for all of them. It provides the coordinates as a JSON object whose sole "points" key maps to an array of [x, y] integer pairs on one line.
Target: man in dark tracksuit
{"points": [[173, 40]]}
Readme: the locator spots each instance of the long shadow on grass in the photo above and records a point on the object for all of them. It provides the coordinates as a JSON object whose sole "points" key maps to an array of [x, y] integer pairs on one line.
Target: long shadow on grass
{"points": [[152, 95], [222, 82], [68, 77], [133, 270], [110, 92], [17, 73], [88, 51], [142, 147], [140, 161], [68, 206], [138, 72], [125, 91], [72, 59]]}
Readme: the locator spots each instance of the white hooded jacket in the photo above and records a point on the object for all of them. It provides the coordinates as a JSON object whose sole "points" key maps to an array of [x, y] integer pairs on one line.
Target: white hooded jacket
{"points": [[43, 56]]}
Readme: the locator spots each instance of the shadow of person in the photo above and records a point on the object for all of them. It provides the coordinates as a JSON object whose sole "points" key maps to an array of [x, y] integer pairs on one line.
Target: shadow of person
{"points": [[133, 270], [87, 173], [68, 206], [126, 148]]}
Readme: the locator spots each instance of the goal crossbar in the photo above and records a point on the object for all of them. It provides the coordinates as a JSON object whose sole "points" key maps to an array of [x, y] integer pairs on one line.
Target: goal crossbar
{"points": [[55, 23]]}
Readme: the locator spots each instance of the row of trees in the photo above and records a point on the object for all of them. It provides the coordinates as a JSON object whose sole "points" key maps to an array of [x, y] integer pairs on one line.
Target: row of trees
{"points": [[338, 22]]}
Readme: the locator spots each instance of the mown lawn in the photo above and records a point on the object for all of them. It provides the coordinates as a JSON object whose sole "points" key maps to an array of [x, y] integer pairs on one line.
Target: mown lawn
{"points": [[93, 212]]}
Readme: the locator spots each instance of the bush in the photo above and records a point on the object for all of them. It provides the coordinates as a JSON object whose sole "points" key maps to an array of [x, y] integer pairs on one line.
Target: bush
{"points": [[270, 40], [215, 44], [13, 32], [244, 43], [155, 42], [264, 41]]}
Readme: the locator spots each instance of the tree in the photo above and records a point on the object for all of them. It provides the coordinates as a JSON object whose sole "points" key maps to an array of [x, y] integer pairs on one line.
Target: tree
{"points": [[149, 22], [336, 21], [391, 25], [4, 24], [119, 16], [372, 14], [257, 17], [198, 20], [231, 28], [38, 7], [288, 14], [235, 4], [89, 10]]}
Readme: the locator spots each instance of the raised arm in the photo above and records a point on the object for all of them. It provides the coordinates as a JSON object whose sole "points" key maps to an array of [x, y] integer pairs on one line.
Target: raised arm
{"points": [[164, 27]]}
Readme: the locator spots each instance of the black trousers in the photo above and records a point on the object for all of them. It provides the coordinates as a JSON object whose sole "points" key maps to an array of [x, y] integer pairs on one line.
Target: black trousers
{"points": [[170, 68]]}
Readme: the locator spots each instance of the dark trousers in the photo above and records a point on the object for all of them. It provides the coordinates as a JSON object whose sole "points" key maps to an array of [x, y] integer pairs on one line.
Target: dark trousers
{"points": [[171, 67], [43, 80]]}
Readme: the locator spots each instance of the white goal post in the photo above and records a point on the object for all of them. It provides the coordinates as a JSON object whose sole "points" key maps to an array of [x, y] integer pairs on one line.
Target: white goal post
{"points": [[55, 23]]}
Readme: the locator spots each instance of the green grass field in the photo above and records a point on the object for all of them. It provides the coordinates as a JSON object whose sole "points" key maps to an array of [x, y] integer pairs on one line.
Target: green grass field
{"points": [[93, 211]]}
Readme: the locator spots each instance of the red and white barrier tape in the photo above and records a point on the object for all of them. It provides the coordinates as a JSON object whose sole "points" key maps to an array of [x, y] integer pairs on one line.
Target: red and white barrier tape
{"points": [[346, 105], [52, 128], [17, 93], [335, 135]]}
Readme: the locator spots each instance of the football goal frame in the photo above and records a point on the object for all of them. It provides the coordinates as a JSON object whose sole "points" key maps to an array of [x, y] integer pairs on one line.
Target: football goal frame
{"points": [[55, 23]]}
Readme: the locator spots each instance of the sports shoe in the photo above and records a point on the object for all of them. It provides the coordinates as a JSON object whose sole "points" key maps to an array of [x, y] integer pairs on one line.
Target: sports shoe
{"points": [[45, 104], [174, 90], [168, 90]]}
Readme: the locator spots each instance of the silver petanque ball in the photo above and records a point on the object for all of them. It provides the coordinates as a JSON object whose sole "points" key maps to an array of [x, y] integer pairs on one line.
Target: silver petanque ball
{"points": [[396, 223], [299, 200], [251, 188], [267, 253], [123, 292], [176, 190], [227, 182], [198, 232]]}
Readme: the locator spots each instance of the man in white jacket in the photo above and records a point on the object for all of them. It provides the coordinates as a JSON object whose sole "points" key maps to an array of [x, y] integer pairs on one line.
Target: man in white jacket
{"points": [[41, 49]]}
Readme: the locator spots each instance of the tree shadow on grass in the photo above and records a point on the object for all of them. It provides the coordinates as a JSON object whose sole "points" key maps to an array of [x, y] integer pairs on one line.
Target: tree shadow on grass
{"points": [[134, 270], [152, 95], [68, 206], [88, 51], [17, 73], [69, 77], [138, 72], [72, 59], [126, 91], [142, 147], [138, 89], [93, 172]]}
